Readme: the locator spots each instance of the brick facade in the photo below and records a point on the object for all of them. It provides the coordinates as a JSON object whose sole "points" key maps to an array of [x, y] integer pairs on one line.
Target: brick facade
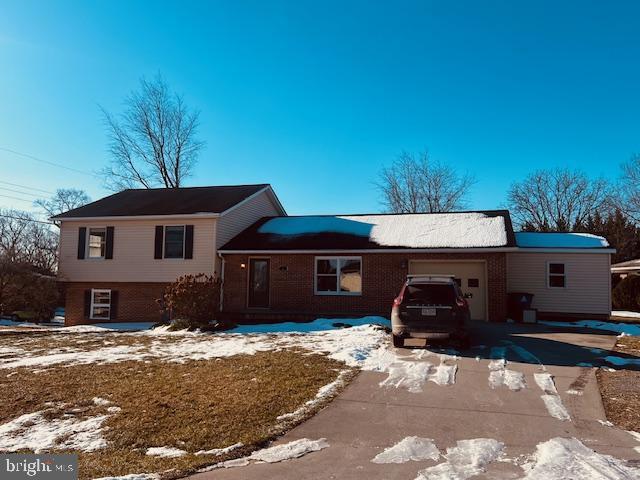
{"points": [[136, 301], [292, 284]]}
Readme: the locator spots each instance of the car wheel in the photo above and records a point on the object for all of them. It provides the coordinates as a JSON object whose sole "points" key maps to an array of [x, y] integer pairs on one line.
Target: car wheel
{"points": [[398, 342]]}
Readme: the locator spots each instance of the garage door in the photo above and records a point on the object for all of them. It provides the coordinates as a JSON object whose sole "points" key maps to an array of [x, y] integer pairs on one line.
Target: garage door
{"points": [[469, 275]]}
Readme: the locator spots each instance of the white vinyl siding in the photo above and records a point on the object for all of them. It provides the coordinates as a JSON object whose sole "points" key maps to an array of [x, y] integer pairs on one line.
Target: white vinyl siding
{"points": [[133, 253], [587, 279], [244, 215]]}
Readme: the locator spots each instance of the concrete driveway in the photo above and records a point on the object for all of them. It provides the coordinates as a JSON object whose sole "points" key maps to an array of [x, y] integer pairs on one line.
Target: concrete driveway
{"points": [[367, 418]]}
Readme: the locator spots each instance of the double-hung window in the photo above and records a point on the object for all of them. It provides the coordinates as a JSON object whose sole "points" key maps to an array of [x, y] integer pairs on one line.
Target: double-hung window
{"points": [[97, 242], [174, 241], [100, 304], [556, 275], [338, 276]]}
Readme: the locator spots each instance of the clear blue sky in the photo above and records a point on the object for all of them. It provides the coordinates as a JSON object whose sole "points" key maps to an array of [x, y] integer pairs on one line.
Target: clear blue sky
{"points": [[314, 97]]}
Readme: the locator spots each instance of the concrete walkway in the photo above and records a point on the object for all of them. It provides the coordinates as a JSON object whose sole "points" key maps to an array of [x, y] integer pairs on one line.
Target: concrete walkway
{"points": [[368, 418]]}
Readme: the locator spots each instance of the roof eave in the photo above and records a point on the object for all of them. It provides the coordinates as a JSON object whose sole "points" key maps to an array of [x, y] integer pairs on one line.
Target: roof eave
{"points": [[139, 217]]}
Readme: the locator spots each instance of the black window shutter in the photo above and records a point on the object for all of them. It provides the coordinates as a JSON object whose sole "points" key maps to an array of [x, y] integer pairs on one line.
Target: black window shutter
{"points": [[188, 241], [114, 305], [108, 254], [82, 240], [158, 245], [87, 303]]}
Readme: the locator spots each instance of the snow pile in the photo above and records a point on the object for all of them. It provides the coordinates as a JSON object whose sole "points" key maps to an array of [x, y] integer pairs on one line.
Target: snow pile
{"points": [[570, 459], [559, 240], [413, 375], [278, 453], [220, 451], [546, 383], [467, 459], [32, 431], [500, 376], [626, 328], [434, 230], [324, 392], [167, 452], [625, 313], [410, 448]]}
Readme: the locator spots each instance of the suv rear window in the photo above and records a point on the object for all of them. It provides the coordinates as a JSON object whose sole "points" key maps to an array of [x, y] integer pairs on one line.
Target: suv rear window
{"points": [[432, 294]]}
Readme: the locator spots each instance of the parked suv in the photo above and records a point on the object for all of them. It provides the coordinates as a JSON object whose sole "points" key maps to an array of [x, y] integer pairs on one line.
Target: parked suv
{"points": [[430, 307]]}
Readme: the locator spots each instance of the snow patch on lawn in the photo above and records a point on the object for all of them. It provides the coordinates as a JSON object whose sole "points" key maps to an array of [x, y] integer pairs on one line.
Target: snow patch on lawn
{"points": [[32, 431], [167, 452], [277, 453], [409, 448], [467, 459], [625, 313], [133, 476], [627, 328], [555, 407], [570, 459], [318, 325], [220, 451]]}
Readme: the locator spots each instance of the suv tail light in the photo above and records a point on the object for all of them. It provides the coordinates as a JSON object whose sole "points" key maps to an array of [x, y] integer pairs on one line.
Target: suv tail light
{"points": [[398, 300]]}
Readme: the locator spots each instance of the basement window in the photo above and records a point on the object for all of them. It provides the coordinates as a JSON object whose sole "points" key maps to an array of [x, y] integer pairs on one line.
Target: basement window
{"points": [[556, 277], [100, 304], [338, 276]]}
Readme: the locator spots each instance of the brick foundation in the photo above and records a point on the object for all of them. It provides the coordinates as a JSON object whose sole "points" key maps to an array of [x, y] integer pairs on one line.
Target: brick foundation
{"points": [[136, 301], [292, 281]]}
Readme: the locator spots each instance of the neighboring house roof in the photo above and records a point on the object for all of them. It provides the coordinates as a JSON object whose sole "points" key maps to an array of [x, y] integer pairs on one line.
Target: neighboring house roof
{"points": [[458, 230], [626, 267], [560, 240], [168, 201]]}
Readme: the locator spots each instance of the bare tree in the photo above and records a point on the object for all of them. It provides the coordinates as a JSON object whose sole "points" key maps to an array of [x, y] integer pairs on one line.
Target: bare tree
{"points": [[415, 184], [28, 242], [557, 200], [63, 200], [153, 142], [628, 195]]}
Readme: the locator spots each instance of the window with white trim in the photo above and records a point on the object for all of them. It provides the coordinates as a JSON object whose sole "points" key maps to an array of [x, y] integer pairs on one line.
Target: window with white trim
{"points": [[174, 241], [556, 275], [96, 242], [338, 276], [100, 304]]}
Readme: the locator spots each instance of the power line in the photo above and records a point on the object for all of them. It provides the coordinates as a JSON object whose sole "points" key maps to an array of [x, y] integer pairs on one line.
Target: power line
{"points": [[21, 193], [26, 155], [26, 219], [16, 198], [28, 188]]}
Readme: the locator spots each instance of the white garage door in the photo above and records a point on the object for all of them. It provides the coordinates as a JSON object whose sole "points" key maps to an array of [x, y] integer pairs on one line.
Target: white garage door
{"points": [[470, 276]]}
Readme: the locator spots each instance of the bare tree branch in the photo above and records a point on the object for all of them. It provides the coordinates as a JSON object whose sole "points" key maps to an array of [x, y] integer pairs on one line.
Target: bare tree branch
{"points": [[557, 200], [65, 199], [416, 184], [154, 141]]}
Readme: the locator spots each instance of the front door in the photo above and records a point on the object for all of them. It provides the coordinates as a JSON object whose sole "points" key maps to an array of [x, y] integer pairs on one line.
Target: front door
{"points": [[258, 283]]}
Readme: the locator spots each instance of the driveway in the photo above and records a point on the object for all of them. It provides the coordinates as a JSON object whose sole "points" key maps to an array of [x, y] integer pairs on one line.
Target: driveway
{"points": [[367, 417]]}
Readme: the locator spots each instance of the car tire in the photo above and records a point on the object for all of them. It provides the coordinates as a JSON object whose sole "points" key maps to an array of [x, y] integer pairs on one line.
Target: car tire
{"points": [[398, 341]]}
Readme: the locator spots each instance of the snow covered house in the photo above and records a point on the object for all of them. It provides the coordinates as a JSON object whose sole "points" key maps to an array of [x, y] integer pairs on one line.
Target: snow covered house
{"points": [[356, 264], [118, 254]]}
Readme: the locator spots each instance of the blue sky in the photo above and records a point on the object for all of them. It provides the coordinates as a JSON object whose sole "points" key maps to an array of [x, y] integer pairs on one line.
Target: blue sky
{"points": [[315, 97]]}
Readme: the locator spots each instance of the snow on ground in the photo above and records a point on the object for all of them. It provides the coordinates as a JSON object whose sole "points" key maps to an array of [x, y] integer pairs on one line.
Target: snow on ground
{"points": [[433, 230], [546, 383], [32, 431], [133, 476], [220, 451], [555, 407], [625, 313], [570, 459], [167, 452], [560, 240], [324, 392], [409, 448], [621, 328], [277, 453], [622, 362], [317, 325], [467, 459], [500, 376], [412, 375]]}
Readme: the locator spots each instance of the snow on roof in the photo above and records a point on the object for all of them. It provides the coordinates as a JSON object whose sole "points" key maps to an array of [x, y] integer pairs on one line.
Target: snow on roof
{"points": [[431, 230], [559, 240]]}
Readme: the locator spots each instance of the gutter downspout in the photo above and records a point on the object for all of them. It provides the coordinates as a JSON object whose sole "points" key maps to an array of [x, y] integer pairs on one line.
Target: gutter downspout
{"points": [[221, 280]]}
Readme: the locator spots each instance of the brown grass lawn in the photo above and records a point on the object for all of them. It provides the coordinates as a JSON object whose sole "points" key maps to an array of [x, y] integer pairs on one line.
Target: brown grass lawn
{"points": [[620, 389], [193, 406]]}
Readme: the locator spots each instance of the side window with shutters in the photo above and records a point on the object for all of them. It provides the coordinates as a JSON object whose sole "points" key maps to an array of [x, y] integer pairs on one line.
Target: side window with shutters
{"points": [[173, 241], [95, 243]]}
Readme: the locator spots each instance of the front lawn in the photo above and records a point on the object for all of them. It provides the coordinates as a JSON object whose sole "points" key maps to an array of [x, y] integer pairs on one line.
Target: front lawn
{"points": [[113, 396], [620, 389]]}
